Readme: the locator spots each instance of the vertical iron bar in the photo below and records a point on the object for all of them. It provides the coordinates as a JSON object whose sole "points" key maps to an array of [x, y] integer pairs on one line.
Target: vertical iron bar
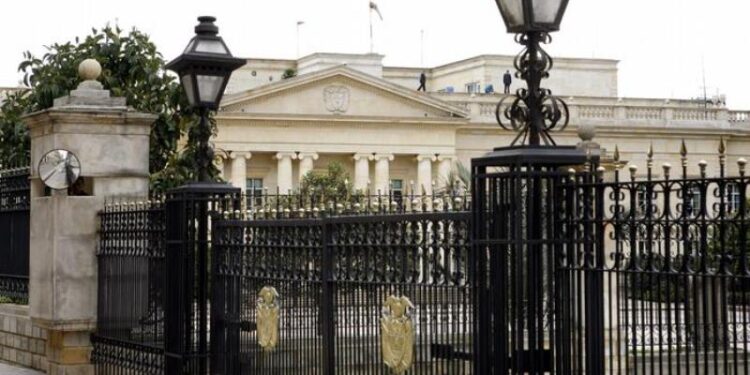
{"points": [[328, 314]]}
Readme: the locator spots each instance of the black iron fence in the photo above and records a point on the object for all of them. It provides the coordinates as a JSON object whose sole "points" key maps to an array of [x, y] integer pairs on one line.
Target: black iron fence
{"points": [[553, 271], [15, 199], [344, 295], [656, 270], [130, 317]]}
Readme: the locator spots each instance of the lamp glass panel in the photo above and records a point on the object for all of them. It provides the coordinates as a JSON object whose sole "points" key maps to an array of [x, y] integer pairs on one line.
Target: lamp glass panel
{"points": [[545, 11], [187, 84], [208, 88], [211, 46], [513, 11], [189, 46]]}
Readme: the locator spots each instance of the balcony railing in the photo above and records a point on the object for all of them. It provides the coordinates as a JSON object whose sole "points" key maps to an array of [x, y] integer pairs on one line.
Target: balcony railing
{"points": [[481, 109]]}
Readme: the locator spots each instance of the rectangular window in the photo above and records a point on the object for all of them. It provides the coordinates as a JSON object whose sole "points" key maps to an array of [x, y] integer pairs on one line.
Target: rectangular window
{"points": [[642, 199], [732, 197], [397, 190], [473, 88], [695, 200], [254, 192]]}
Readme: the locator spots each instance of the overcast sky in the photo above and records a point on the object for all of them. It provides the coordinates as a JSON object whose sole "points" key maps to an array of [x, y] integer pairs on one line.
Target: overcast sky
{"points": [[663, 45]]}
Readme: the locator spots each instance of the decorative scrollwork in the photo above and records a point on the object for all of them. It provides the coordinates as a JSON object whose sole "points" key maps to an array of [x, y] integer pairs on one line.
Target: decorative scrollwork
{"points": [[533, 112]]}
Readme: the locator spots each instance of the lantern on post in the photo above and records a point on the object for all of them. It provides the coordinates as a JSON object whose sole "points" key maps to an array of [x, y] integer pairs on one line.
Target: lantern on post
{"points": [[523, 16], [204, 68], [533, 112]]}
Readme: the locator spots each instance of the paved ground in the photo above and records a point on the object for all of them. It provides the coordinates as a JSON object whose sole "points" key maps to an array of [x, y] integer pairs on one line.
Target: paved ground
{"points": [[12, 370]]}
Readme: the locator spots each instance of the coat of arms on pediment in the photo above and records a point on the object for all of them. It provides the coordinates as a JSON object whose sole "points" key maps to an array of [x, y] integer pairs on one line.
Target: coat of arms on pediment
{"points": [[336, 99]]}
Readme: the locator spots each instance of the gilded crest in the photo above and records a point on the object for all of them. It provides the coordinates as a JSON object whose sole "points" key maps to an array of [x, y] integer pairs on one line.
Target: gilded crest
{"points": [[397, 334], [267, 317], [336, 99]]}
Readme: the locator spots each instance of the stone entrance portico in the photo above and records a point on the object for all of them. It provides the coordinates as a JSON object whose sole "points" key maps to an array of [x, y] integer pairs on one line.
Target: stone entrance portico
{"points": [[378, 131]]}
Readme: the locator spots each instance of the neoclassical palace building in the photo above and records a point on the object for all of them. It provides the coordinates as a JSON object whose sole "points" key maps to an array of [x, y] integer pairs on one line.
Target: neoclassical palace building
{"points": [[351, 109]]}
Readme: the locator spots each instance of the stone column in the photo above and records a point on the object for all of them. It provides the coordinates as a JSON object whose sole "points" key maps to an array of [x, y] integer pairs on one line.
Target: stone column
{"points": [[445, 165], [306, 163], [112, 143], [361, 171], [239, 169], [424, 173], [284, 171], [382, 173]]}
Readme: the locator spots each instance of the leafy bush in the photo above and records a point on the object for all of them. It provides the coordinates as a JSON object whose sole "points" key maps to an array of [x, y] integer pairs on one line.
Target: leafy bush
{"points": [[133, 68]]}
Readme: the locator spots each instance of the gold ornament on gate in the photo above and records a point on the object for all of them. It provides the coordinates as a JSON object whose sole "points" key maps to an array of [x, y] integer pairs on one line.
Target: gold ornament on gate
{"points": [[267, 316], [397, 334]]}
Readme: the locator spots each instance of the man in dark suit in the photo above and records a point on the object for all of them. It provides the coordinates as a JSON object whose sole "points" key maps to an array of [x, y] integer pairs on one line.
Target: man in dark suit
{"points": [[422, 82], [507, 80]]}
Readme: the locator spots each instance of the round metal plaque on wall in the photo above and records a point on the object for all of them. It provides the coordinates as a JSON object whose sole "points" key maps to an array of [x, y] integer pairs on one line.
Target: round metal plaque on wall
{"points": [[59, 169]]}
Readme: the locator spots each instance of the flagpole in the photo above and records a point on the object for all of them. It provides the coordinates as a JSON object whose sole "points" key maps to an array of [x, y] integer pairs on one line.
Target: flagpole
{"points": [[299, 23], [297, 39], [372, 44], [421, 47]]}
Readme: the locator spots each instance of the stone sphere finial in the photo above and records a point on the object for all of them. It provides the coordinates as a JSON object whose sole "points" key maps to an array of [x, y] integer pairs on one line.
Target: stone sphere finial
{"points": [[586, 132], [89, 70]]}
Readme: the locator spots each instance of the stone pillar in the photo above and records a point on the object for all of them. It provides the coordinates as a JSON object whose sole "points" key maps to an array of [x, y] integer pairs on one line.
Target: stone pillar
{"points": [[284, 171], [444, 170], [361, 171], [112, 143], [382, 173], [306, 163], [424, 173], [239, 169]]}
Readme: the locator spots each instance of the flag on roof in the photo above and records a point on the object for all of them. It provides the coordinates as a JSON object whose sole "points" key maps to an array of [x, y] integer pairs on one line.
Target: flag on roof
{"points": [[374, 7]]}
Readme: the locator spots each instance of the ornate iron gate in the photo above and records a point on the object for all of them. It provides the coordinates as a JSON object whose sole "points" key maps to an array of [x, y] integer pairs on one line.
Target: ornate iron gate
{"points": [[15, 197], [555, 270], [343, 295]]}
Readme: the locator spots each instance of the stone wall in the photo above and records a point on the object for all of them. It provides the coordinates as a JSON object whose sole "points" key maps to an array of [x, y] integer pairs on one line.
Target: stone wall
{"points": [[21, 342]]}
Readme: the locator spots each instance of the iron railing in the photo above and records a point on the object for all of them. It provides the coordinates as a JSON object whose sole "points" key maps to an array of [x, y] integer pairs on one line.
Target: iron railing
{"points": [[15, 202], [333, 278], [130, 317], [656, 270]]}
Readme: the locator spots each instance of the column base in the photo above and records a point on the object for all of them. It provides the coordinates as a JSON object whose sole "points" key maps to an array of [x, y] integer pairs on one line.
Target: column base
{"points": [[69, 353]]}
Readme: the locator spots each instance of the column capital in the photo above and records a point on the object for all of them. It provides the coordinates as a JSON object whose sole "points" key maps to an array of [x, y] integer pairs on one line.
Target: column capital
{"points": [[308, 155], [446, 157], [430, 157], [286, 154], [379, 157], [362, 155], [236, 154]]}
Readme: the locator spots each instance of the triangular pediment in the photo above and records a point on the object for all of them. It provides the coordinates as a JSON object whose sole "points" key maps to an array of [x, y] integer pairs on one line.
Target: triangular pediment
{"points": [[340, 91]]}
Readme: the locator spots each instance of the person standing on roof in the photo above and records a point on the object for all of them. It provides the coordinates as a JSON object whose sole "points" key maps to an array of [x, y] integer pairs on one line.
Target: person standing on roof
{"points": [[507, 80]]}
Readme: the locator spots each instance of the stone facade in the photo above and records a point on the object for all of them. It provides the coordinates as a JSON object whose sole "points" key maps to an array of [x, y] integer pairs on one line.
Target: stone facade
{"points": [[21, 341], [368, 117]]}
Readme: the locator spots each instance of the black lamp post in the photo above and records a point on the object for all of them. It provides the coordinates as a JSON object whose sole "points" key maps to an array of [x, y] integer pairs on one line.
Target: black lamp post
{"points": [[534, 112], [517, 197], [204, 69]]}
